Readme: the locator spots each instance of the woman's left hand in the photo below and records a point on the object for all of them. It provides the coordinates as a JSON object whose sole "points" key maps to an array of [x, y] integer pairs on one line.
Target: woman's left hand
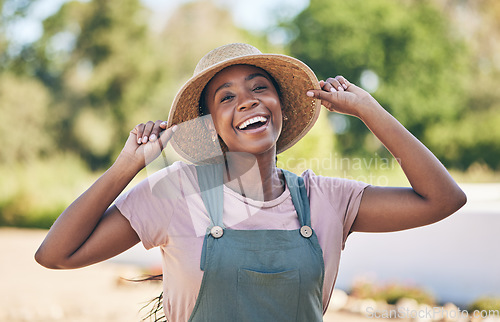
{"points": [[339, 95]]}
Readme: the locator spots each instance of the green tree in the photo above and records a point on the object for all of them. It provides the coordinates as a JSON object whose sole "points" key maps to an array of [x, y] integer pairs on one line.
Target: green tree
{"points": [[99, 62], [23, 105], [405, 46], [473, 138]]}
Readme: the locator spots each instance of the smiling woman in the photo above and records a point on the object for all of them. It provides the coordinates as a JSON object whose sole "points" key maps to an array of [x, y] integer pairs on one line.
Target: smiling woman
{"points": [[241, 239]]}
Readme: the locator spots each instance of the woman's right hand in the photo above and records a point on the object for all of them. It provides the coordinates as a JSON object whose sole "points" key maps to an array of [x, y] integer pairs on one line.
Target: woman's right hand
{"points": [[89, 230], [146, 142]]}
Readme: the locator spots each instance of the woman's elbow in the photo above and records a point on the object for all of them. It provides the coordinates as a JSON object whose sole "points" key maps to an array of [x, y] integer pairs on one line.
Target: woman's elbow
{"points": [[455, 200], [461, 199], [47, 261]]}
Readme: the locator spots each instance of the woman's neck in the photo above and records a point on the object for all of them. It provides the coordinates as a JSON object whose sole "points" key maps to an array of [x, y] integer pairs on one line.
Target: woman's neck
{"points": [[254, 177]]}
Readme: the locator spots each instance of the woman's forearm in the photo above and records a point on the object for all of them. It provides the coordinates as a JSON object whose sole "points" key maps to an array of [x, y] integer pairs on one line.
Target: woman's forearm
{"points": [[78, 221], [427, 176]]}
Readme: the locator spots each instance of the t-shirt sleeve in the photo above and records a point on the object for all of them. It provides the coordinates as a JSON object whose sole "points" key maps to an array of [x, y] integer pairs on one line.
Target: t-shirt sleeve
{"points": [[341, 196], [150, 204]]}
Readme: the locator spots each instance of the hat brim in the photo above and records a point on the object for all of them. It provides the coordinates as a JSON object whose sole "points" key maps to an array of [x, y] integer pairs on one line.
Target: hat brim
{"points": [[292, 76]]}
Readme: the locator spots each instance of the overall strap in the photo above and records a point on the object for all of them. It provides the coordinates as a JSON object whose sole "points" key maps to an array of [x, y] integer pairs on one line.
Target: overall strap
{"points": [[298, 192], [210, 180]]}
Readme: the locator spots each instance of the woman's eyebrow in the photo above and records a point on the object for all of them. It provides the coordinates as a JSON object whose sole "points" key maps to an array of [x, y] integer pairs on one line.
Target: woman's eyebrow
{"points": [[249, 77], [252, 76], [222, 86]]}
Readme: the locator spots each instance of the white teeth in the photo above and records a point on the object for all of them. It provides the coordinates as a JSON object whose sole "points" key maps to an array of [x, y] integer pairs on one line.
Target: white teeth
{"points": [[251, 121]]}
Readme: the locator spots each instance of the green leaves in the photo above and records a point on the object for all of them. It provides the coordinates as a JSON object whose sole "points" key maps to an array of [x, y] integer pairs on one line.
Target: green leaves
{"points": [[421, 68]]}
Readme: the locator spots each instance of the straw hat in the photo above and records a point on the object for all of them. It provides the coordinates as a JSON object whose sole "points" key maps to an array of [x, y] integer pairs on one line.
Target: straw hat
{"points": [[193, 141]]}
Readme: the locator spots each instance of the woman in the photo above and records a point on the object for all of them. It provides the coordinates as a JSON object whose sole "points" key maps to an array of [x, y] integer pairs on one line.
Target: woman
{"points": [[241, 239]]}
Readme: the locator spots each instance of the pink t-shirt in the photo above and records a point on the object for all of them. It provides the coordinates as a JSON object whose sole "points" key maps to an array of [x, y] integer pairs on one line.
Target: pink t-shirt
{"points": [[166, 210]]}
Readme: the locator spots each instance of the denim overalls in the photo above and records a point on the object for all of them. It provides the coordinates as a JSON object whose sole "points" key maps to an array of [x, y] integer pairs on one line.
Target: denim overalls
{"points": [[258, 275]]}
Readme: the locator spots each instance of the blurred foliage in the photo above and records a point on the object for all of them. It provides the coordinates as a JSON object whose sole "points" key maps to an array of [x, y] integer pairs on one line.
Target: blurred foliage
{"points": [[24, 127], [69, 99], [99, 62], [421, 69], [313, 151], [35, 192], [486, 304], [96, 72], [391, 292], [106, 71]]}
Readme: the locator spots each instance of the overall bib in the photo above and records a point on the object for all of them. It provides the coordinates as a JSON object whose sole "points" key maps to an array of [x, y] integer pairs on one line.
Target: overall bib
{"points": [[258, 275]]}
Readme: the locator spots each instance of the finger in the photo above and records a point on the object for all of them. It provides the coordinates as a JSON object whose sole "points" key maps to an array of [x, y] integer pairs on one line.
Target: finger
{"points": [[139, 129], [166, 135], [327, 98], [342, 81], [328, 87], [147, 131], [155, 131], [335, 83]]}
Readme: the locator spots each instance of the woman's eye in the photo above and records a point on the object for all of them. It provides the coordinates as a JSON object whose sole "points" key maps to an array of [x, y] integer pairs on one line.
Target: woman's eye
{"points": [[225, 98], [259, 88]]}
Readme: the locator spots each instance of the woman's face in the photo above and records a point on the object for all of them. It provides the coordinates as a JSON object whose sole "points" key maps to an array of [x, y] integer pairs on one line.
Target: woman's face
{"points": [[245, 108]]}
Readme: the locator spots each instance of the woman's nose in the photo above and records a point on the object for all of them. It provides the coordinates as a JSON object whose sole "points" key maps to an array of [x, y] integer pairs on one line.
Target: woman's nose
{"points": [[247, 101]]}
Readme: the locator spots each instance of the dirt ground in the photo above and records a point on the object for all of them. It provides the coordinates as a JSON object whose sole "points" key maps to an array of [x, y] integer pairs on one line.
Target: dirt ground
{"points": [[29, 292]]}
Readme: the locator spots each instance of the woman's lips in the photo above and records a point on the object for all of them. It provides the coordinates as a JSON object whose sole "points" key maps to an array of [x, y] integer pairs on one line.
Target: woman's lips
{"points": [[259, 129]]}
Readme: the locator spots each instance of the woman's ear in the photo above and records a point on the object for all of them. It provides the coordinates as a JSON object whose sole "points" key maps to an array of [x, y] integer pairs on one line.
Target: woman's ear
{"points": [[209, 125]]}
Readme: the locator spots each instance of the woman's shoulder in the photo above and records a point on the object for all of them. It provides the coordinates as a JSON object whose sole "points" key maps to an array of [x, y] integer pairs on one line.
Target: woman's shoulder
{"points": [[176, 168], [166, 178]]}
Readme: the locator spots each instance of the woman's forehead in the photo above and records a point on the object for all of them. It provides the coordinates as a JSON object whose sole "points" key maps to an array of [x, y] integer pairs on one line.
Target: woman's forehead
{"points": [[228, 74]]}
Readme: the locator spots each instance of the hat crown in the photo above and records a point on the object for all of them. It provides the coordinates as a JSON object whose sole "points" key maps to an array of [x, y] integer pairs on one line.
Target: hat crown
{"points": [[223, 53]]}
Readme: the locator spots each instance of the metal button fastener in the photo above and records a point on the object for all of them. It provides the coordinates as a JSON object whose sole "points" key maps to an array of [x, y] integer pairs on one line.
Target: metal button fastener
{"points": [[216, 232], [306, 231]]}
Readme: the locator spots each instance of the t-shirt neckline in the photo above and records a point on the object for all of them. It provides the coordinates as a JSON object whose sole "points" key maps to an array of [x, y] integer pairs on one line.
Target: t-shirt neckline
{"points": [[258, 203]]}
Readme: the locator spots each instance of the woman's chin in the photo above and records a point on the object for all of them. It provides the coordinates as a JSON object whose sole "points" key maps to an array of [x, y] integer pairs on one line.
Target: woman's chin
{"points": [[255, 149]]}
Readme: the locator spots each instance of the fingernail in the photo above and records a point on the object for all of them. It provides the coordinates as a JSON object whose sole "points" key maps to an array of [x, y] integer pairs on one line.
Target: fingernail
{"points": [[344, 86], [340, 89], [139, 141], [310, 94], [174, 128], [144, 139], [152, 137], [333, 89], [164, 123]]}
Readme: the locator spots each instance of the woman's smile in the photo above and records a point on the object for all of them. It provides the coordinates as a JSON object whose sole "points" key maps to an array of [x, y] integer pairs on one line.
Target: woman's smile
{"points": [[254, 124]]}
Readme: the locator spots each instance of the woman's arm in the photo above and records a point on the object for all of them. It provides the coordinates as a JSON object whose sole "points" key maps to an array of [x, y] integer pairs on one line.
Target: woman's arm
{"points": [[433, 195], [88, 231]]}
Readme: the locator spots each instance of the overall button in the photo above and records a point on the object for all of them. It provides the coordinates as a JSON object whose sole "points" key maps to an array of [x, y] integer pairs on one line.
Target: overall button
{"points": [[306, 231], [216, 232]]}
